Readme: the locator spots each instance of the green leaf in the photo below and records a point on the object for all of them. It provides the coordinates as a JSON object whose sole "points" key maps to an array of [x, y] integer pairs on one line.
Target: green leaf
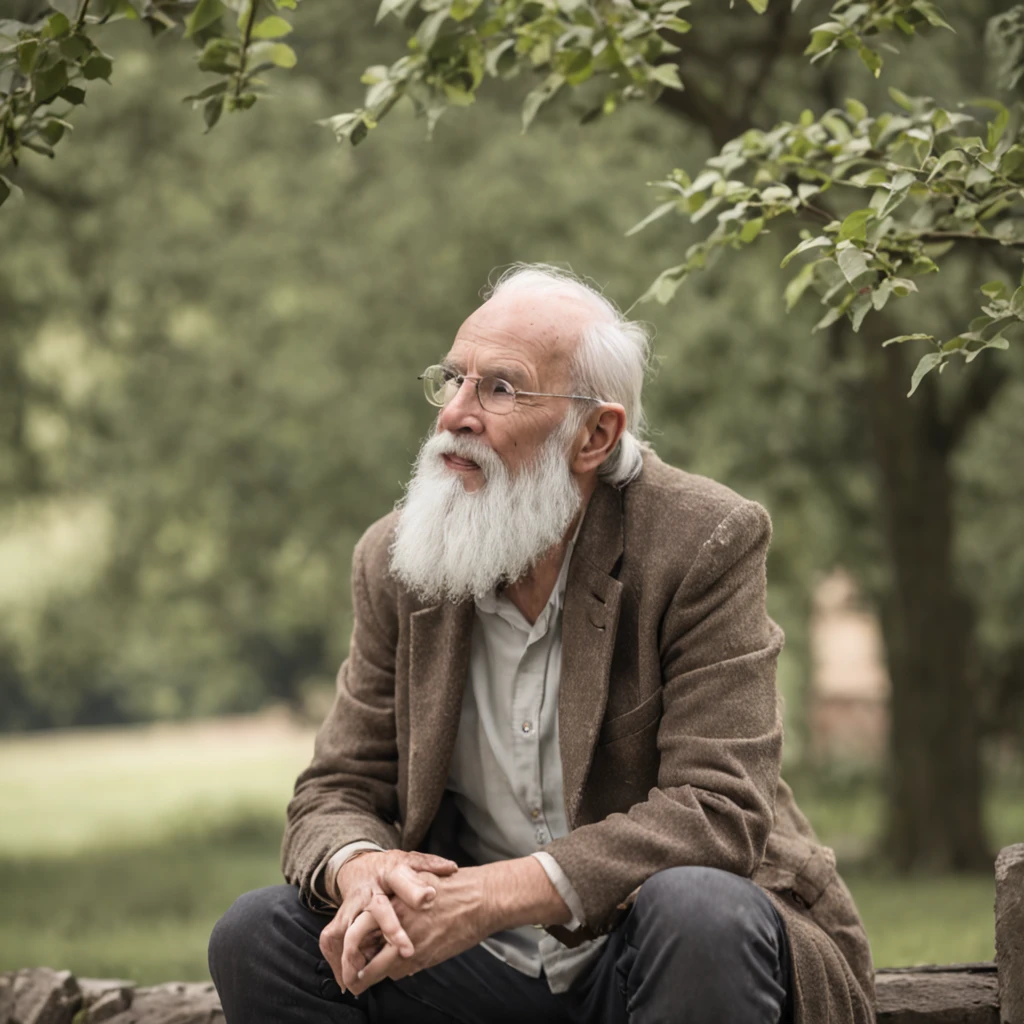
{"points": [[853, 263], [426, 34], [997, 126], [666, 284], [536, 98], [211, 90], [751, 229], [57, 25], [212, 110], [931, 14], [98, 66], [900, 338], [28, 51], [282, 55], [204, 14], [871, 60], [1017, 303], [995, 289], [46, 84], [72, 94], [667, 75], [855, 225], [796, 288], [859, 309], [759, 5], [273, 27], [656, 214], [387, 7], [74, 47], [821, 40], [807, 243], [901, 98], [856, 109], [926, 365]]}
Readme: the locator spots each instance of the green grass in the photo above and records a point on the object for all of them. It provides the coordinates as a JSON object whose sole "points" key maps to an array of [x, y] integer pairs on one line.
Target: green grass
{"points": [[120, 849]]}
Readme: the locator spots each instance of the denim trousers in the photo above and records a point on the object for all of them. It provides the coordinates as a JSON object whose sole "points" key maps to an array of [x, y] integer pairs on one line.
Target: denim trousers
{"points": [[699, 946]]}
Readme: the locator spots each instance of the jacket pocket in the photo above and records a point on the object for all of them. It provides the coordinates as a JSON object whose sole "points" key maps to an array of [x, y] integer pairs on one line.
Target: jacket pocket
{"points": [[631, 722], [798, 866]]}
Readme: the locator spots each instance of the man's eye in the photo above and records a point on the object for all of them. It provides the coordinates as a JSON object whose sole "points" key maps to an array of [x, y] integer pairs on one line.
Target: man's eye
{"points": [[502, 387], [449, 376]]}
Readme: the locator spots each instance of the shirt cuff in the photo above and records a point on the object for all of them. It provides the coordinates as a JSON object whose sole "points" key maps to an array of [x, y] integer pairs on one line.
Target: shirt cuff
{"points": [[330, 867], [563, 887]]}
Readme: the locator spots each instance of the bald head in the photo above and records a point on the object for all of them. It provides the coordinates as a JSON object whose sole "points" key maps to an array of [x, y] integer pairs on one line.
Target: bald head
{"points": [[540, 325]]}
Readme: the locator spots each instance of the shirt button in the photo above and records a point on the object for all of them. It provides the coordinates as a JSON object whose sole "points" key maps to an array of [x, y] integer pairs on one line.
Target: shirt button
{"points": [[535, 813], [527, 727]]}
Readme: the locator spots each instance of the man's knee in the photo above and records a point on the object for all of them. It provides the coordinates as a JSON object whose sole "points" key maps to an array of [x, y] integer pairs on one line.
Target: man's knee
{"points": [[706, 907], [248, 924]]}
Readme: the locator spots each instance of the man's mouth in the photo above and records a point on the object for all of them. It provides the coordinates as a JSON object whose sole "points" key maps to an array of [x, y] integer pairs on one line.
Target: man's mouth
{"points": [[458, 463]]}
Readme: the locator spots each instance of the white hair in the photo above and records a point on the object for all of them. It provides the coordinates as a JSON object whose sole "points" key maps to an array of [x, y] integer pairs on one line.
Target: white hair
{"points": [[610, 360], [455, 544]]}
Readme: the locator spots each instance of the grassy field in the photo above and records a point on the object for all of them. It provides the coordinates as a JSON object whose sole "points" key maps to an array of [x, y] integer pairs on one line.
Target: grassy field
{"points": [[120, 849]]}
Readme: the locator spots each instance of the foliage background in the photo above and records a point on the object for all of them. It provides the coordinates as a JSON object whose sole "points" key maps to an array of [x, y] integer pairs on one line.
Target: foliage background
{"points": [[209, 347]]}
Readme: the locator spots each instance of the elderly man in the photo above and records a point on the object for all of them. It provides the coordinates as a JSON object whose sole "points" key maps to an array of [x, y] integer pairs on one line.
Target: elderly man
{"points": [[548, 788]]}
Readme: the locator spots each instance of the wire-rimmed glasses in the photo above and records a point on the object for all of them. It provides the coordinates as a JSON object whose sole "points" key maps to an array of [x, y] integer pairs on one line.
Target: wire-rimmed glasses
{"points": [[441, 385]]}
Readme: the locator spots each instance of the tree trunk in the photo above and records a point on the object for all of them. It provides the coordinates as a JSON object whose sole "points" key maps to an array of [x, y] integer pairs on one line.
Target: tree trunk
{"points": [[934, 818]]}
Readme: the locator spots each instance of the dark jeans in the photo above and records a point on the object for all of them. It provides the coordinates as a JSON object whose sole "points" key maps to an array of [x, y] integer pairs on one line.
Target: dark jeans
{"points": [[700, 946]]}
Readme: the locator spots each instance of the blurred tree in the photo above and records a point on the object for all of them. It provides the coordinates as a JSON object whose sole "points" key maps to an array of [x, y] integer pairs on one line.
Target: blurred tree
{"points": [[928, 187]]}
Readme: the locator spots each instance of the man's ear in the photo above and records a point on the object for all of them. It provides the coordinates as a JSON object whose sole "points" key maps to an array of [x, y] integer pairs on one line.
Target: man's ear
{"points": [[604, 426]]}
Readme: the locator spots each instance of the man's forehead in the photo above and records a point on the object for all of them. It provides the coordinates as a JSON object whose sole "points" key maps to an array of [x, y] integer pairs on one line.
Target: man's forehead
{"points": [[524, 330]]}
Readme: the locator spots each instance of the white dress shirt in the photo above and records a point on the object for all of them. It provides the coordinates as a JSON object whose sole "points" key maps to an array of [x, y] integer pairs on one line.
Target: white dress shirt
{"points": [[506, 771]]}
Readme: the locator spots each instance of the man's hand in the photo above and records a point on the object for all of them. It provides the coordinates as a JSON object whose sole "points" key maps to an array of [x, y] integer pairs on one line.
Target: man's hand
{"points": [[468, 907], [457, 918], [371, 880]]}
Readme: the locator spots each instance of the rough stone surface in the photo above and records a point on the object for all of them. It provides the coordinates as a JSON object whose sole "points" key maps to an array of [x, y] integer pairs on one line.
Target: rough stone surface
{"points": [[109, 1005], [957, 994], [176, 1003], [43, 996], [1010, 933]]}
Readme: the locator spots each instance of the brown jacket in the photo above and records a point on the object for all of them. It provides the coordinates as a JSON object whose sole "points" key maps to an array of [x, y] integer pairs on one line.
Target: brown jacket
{"points": [[668, 722]]}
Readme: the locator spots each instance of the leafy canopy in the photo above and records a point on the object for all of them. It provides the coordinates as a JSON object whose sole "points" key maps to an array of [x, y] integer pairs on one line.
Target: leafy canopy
{"points": [[888, 193]]}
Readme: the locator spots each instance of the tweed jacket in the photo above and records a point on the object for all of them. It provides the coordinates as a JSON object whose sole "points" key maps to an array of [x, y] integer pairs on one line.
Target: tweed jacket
{"points": [[668, 721]]}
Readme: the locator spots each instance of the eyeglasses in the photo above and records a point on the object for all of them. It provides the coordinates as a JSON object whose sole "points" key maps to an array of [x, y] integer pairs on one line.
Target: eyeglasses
{"points": [[441, 385]]}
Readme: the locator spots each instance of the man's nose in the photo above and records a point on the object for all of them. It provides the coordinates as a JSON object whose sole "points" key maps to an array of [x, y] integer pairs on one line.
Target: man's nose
{"points": [[462, 413]]}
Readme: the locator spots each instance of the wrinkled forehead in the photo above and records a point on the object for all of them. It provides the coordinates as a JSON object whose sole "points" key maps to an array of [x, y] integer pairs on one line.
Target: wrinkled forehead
{"points": [[526, 334]]}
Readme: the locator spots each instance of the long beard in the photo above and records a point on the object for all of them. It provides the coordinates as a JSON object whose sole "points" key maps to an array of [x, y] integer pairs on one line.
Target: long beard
{"points": [[451, 544]]}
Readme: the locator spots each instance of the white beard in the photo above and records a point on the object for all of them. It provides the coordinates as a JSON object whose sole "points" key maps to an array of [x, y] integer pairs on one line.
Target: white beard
{"points": [[453, 544]]}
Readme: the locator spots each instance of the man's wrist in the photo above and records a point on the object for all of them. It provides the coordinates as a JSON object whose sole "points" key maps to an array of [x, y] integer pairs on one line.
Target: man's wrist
{"points": [[519, 892]]}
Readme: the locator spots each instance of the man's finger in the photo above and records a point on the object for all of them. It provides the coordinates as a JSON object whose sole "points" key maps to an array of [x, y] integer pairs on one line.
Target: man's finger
{"points": [[431, 862], [353, 956], [383, 913], [411, 887], [377, 969]]}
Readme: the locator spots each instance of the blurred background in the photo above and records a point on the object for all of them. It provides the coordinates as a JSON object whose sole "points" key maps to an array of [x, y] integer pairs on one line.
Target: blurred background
{"points": [[208, 358]]}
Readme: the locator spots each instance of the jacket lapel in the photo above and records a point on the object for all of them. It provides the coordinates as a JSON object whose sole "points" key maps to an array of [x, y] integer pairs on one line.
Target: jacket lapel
{"points": [[438, 666], [589, 622]]}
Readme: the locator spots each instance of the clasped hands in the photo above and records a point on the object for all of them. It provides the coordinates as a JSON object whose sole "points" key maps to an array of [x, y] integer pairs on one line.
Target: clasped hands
{"points": [[400, 912]]}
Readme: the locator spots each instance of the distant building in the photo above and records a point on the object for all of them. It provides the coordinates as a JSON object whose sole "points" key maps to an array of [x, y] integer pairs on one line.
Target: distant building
{"points": [[848, 714]]}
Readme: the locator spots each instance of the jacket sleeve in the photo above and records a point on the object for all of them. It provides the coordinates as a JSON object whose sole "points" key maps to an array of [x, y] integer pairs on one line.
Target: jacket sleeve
{"points": [[719, 739], [348, 792]]}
